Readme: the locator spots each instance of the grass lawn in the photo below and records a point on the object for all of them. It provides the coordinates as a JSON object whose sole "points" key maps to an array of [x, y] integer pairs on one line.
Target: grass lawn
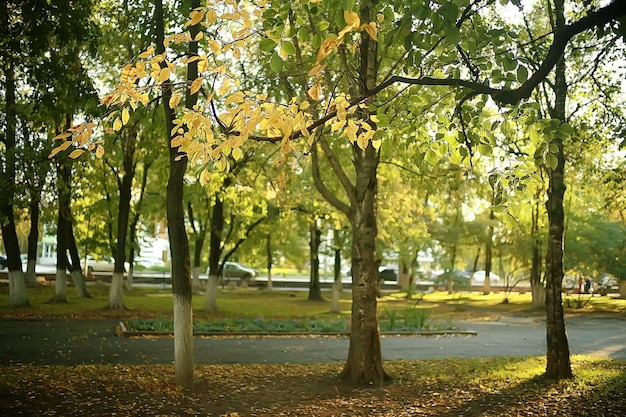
{"points": [[448, 387]]}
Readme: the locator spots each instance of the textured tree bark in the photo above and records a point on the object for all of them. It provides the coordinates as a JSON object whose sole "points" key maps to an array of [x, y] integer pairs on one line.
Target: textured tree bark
{"points": [[537, 288], [179, 242], [215, 249], [558, 359], [116, 295], [269, 254], [30, 275], [17, 285], [315, 291]]}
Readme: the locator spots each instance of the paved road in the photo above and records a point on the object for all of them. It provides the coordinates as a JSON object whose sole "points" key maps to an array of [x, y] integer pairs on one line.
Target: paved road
{"points": [[63, 342]]}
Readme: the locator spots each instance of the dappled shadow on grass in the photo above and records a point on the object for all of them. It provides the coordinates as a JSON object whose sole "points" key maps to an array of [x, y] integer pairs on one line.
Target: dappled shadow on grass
{"points": [[450, 387]]}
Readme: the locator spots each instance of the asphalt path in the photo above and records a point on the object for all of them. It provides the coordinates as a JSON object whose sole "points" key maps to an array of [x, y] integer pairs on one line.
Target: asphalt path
{"points": [[73, 342]]}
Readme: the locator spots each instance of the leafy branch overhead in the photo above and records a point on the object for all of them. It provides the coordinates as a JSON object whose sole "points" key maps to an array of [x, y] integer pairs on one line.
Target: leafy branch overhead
{"points": [[229, 115]]}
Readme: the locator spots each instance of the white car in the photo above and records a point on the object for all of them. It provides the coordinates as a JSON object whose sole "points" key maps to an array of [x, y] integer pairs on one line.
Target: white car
{"points": [[105, 264], [479, 277]]}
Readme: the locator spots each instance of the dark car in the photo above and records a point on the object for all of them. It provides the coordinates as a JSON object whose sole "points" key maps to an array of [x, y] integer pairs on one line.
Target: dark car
{"points": [[387, 274], [3, 261], [236, 272]]}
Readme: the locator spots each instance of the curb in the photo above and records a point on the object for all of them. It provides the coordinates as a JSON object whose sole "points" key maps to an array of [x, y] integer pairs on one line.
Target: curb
{"points": [[122, 331]]}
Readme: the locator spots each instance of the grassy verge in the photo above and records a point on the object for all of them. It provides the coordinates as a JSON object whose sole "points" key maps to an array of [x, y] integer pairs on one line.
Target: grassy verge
{"points": [[448, 387], [439, 308]]}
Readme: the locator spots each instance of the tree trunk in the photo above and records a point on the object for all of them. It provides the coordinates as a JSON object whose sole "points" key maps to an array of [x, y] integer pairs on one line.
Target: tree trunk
{"points": [[215, 249], [116, 293], [268, 251], [33, 237], [558, 360], [60, 285], [315, 291], [179, 243], [335, 306], [197, 261], [17, 285], [76, 271], [537, 287], [364, 365], [489, 255]]}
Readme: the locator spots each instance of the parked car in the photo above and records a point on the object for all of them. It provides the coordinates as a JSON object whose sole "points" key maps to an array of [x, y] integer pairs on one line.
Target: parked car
{"points": [[387, 274], [236, 272], [3, 262], [104, 264], [479, 278]]}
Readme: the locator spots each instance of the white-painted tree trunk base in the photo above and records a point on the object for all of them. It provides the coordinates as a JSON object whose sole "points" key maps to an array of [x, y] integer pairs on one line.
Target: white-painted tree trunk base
{"points": [[538, 296], [210, 304], [17, 289], [116, 301], [183, 341], [60, 286], [196, 285], [334, 305], [30, 277]]}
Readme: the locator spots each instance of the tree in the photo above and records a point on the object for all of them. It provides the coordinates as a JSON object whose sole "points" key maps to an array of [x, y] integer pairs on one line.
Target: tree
{"points": [[422, 41]]}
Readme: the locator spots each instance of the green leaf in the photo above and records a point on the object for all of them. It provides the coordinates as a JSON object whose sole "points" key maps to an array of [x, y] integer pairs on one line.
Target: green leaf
{"points": [[288, 47], [453, 35], [431, 157], [485, 149], [267, 45], [552, 161], [522, 74], [276, 62]]}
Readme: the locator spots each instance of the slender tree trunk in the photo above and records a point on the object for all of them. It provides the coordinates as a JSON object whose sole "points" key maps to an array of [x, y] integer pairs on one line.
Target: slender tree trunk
{"points": [[76, 271], [215, 249], [335, 305], [537, 288], [268, 251], [179, 243], [489, 255], [17, 286], [60, 285], [33, 237], [315, 292], [558, 359], [116, 293]]}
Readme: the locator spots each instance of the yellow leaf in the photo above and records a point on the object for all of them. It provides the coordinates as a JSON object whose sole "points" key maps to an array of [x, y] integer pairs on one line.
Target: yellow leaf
{"points": [[199, 36], [63, 135], [168, 39], [352, 19], [211, 16], [237, 97], [125, 116], [337, 125], [117, 124], [215, 47], [76, 153], [316, 70], [99, 151], [195, 17], [148, 52], [174, 100], [304, 105], [315, 91], [196, 85], [164, 75], [284, 148], [237, 154], [371, 30]]}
